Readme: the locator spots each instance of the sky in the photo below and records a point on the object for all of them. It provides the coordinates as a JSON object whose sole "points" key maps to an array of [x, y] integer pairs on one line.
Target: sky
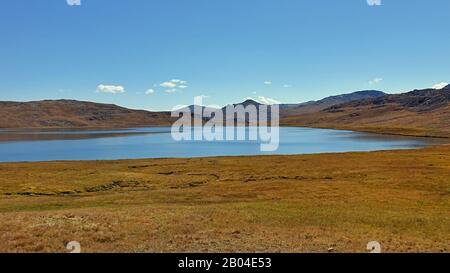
{"points": [[157, 54]]}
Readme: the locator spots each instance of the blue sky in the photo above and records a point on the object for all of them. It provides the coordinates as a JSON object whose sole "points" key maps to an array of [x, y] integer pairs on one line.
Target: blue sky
{"points": [[226, 50]]}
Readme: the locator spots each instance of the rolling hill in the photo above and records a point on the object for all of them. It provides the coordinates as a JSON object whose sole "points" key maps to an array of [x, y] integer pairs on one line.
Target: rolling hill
{"points": [[76, 114], [423, 112]]}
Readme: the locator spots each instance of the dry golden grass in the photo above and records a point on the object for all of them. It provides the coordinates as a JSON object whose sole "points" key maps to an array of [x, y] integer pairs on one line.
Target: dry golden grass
{"points": [[306, 203]]}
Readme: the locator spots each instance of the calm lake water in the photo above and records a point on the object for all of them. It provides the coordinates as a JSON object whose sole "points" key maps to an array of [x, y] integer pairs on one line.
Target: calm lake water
{"points": [[18, 146]]}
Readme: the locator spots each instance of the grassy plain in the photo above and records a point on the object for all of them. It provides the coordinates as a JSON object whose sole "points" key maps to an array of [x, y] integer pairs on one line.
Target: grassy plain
{"points": [[305, 203]]}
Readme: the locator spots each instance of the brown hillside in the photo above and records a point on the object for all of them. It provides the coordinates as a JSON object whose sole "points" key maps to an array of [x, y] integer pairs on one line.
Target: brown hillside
{"points": [[316, 106], [73, 114], [420, 113]]}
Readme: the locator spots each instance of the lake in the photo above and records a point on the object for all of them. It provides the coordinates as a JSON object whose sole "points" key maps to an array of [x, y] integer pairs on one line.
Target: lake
{"points": [[18, 146]]}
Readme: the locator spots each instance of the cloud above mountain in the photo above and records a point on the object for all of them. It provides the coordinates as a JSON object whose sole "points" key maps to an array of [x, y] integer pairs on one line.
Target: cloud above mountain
{"points": [[375, 81], [264, 100], [440, 85], [168, 84], [112, 89], [174, 85]]}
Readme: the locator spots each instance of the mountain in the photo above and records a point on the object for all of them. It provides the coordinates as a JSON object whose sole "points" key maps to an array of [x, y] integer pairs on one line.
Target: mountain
{"points": [[248, 102], [204, 109], [74, 114], [71, 114], [314, 106], [423, 112], [417, 100], [193, 109], [311, 106]]}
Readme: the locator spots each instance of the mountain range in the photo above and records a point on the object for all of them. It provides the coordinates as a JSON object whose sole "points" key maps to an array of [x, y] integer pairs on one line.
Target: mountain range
{"points": [[423, 112], [314, 106]]}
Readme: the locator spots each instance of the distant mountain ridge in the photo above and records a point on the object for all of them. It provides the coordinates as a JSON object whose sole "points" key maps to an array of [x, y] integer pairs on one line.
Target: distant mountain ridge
{"points": [[419, 100], [424, 112], [74, 114], [314, 106], [78, 114]]}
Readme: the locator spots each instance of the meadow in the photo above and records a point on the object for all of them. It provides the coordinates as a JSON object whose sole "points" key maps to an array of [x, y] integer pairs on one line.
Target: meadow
{"points": [[304, 203]]}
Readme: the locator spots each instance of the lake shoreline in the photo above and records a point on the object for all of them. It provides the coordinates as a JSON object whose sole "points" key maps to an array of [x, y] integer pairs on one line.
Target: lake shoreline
{"points": [[133, 143], [422, 133], [419, 134]]}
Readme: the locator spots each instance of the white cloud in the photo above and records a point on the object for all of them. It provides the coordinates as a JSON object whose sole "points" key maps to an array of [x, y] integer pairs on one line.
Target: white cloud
{"points": [[174, 84], [170, 91], [150, 92], [180, 107], [268, 101], [178, 81], [113, 89], [264, 100], [168, 84], [375, 81], [440, 85], [374, 2], [267, 82], [286, 85]]}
